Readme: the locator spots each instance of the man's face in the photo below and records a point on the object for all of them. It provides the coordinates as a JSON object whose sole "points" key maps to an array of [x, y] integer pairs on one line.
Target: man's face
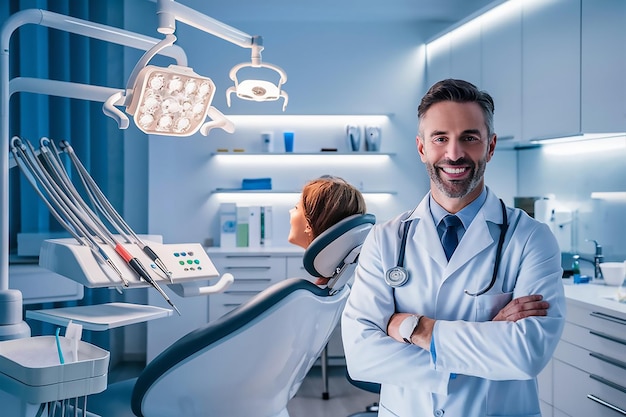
{"points": [[454, 146]]}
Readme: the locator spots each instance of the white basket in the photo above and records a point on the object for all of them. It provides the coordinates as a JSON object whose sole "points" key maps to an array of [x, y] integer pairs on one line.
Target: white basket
{"points": [[30, 368]]}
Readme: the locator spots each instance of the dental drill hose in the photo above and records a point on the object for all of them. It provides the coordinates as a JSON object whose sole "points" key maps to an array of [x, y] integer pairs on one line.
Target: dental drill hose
{"points": [[105, 206]]}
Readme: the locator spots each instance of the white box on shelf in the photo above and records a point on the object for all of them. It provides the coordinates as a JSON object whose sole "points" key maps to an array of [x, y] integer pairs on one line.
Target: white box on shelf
{"points": [[254, 226], [266, 225], [242, 226], [228, 225]]}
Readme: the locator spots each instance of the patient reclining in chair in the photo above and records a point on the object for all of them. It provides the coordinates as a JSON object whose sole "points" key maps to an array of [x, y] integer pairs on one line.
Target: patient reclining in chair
{"points": [[324, 202]]}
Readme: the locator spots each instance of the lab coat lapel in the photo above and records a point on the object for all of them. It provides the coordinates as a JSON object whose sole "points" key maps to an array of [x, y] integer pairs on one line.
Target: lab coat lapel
{"points": [[426, 235]]}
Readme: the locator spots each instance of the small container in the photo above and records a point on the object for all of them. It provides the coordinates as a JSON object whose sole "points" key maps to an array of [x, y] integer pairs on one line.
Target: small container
{"points": [[288, 137], [267, 142], [576, 269]]}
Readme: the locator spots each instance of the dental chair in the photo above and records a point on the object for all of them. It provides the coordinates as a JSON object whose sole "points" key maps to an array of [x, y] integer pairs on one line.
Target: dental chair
{"points": [[372, 409], [252, 361]]}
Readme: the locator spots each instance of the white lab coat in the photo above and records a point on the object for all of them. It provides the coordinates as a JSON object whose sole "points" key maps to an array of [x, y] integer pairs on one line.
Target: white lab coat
{"points": [[482, 368]]}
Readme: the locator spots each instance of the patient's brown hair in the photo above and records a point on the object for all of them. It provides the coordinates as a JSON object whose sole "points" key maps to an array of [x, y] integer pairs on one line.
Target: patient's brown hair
{"points": [[327, 200]]}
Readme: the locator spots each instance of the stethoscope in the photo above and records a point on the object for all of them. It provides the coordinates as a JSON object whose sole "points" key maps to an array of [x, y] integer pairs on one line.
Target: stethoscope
{"points": [[397, 276]]}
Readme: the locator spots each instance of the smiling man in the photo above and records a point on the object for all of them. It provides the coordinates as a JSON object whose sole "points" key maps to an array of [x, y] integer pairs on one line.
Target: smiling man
{"points": [[458, 304]]}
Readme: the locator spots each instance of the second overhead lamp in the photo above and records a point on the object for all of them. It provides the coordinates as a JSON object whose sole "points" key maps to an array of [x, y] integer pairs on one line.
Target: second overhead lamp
{"points": [[175, 101]]}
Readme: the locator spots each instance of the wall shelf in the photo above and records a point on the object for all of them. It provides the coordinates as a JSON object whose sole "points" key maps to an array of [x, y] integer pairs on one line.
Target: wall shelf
{"points": [[240, 191], [295, 154]]}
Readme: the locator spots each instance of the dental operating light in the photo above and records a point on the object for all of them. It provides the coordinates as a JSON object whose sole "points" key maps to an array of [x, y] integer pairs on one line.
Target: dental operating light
{"points": [[172, 101], [175, 101]]}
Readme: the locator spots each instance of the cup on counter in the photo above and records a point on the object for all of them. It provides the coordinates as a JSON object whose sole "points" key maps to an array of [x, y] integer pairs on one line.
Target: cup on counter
{"points": [[288, 137]]}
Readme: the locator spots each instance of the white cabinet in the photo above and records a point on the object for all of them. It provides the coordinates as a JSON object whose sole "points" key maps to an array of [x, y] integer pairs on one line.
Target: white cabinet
{"points": [[545, 382], [465, 54], [551, 68], [603, 87], [555, 68], [502, 71], [589, 365], [253, 273], [438, 61]]}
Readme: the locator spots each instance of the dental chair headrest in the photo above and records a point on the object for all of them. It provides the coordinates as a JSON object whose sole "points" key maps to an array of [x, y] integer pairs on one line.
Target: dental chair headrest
{"points": [[332, 252]]}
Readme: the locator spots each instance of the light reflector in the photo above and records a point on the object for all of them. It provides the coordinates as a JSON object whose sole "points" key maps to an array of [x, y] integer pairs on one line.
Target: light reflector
{"points": [[170, 101]]}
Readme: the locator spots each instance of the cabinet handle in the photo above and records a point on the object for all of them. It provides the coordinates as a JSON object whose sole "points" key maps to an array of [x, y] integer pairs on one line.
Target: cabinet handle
{"points": [[241, 292], [606, 404], [248, 268], [608, 337], [230, 305], [607, 317], [608, 359], [251, 280], [608, 383]]}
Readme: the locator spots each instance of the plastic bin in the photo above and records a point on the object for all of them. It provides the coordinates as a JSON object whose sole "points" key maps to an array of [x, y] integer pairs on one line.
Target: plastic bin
{"points": [[31, 370]]}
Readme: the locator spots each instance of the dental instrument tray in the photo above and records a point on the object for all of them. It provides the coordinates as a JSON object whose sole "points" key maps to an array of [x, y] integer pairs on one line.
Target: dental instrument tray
{"points": [[100, 317], [30, 369]]}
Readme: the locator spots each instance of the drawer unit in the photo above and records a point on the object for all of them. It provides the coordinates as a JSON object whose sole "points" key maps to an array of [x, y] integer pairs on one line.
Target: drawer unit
{"points": [[598, 366], [597, 320], [578, 393], [253, 274], [589, 364], [295, 269], [596, 342]]}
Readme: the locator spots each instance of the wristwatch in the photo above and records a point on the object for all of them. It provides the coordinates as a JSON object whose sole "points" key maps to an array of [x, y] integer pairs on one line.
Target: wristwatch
{"points": [[407, 327]]}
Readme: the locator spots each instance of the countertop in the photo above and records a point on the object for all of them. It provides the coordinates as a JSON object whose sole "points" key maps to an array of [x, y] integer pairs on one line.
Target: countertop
{"points": [[601, 296], [260, 251]]}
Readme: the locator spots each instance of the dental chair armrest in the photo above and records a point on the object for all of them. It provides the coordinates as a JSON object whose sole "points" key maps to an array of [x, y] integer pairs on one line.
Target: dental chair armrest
{"points": [[193, 289]]}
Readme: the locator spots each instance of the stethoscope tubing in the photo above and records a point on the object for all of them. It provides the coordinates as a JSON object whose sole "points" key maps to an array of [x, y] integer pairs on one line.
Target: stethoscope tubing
{"points": [[397, 276]]}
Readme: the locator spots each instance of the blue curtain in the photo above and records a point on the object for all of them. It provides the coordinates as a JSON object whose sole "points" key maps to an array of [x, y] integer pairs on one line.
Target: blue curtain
{"points": [[48, 53]]}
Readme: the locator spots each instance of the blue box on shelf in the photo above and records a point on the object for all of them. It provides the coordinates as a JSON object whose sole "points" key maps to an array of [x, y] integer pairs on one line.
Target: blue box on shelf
{"points": [[256, 184]]}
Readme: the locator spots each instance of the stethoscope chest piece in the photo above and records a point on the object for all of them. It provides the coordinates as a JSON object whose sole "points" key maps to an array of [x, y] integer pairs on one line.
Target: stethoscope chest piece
{"points": [[396, 276]]}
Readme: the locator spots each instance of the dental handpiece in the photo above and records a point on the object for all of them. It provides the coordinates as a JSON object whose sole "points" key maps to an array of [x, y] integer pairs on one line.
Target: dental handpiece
{"points": [[95, 224], [137, 266], [105, 206], [70, 224]]}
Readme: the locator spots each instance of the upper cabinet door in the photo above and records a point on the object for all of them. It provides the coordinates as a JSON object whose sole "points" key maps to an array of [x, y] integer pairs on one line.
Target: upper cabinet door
{"points": [[551, 62], [438, 60], [502, 70], [465, 54], [603, 66]]}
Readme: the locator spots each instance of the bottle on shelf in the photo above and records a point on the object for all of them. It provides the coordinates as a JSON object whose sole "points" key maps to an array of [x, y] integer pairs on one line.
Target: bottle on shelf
{"points": [[576, 269]]}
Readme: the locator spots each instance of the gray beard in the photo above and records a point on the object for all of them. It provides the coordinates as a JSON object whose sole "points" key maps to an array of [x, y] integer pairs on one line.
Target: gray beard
{"points": [[461, 188]]}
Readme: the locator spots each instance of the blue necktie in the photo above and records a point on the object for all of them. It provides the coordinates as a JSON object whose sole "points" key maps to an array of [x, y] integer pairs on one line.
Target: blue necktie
{"points": [[450, 238]]}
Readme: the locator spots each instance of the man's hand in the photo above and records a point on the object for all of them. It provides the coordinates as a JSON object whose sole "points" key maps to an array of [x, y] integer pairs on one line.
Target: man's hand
{"points": [[522, 307]]}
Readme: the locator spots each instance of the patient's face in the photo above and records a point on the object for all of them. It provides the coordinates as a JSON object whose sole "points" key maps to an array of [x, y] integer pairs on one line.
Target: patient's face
{"points": [[300, 232]]}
